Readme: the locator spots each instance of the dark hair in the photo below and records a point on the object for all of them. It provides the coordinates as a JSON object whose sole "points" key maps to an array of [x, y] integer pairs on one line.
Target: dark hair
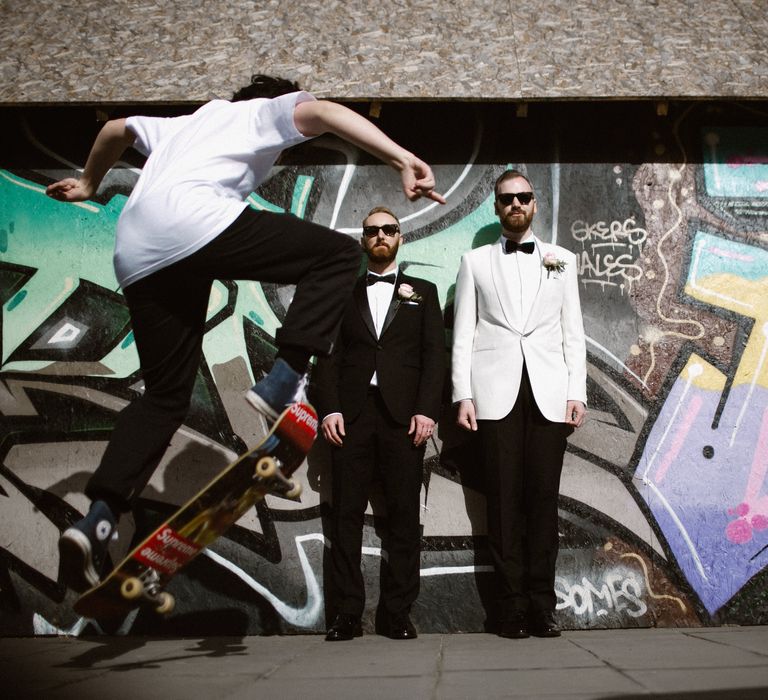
{"points": [[510, 174], [265, 86]]}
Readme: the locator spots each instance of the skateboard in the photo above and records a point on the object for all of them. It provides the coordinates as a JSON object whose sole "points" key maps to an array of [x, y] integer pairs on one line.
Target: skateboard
{"points": [[141, 577]]}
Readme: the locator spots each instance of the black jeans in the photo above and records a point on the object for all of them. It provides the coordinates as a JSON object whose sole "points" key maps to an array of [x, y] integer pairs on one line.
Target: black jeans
{"points": [[168, 312]]}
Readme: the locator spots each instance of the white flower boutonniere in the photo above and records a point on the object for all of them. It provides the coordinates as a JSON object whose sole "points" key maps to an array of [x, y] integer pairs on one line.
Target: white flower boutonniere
{"points": [[405, 294], [552, 264]]}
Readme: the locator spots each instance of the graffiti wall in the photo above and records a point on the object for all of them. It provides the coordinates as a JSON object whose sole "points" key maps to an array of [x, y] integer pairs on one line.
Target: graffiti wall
{"points": [[664, 498]]}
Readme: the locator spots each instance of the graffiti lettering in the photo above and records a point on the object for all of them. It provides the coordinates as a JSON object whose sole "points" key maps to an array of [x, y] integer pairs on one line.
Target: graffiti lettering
{"points": [[618, 593], [609, 269], [617, 232]]}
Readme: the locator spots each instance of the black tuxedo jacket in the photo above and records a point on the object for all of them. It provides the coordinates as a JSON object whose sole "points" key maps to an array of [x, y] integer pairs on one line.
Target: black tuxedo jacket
{"points": [[408, 357]]}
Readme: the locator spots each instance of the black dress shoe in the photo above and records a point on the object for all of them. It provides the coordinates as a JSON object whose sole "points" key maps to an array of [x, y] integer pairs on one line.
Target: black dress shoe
{"points": [[543, 625], [401, 627], [344, 628], [514, 628]]}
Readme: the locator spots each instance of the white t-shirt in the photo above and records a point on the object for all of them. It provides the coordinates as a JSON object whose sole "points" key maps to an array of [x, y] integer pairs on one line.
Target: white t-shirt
{"points": [[199, 170]]}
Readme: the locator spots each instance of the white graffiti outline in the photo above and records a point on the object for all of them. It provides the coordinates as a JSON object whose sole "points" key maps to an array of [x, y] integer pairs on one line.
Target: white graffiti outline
{"points": [[608, 353], [755, 376], [349, 171], [44, 149], [712, 140], [704, 291], [301, 617], [693, 371], [461, 177], [42, 627], [555, 168], [680, 527]]}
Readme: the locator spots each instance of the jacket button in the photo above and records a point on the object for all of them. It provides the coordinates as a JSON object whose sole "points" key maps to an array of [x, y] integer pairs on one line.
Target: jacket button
{"points": [[378, 347]]}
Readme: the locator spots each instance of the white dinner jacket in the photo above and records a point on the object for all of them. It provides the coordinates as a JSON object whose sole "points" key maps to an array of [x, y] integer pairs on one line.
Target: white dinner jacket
{"points": [[490, 342]]}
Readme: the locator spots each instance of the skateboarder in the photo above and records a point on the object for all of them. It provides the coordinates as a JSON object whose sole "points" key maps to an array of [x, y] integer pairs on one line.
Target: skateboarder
{"points": [[185, 224]]}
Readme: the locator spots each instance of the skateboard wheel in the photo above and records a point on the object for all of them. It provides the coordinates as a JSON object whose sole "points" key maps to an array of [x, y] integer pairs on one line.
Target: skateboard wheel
{"points": [[131, 588], [166, 605], [266, 467], [294, 491]]}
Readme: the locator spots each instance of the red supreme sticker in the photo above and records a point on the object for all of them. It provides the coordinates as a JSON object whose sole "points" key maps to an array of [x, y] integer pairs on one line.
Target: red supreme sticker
{"points": [[299, 425], [167, 551]]}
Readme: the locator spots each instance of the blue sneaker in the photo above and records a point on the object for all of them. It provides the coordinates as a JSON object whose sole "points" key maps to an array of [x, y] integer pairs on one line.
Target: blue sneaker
{"points": [[279, 389], [83, 547]]}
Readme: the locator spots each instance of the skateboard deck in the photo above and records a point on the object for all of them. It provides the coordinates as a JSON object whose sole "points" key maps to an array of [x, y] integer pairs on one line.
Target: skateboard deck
{"points": [[141, 577]]}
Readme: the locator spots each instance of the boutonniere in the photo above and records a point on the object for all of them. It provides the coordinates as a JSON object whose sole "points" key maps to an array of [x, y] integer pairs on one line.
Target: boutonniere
{"points": [[552, 264], [405, 294]]}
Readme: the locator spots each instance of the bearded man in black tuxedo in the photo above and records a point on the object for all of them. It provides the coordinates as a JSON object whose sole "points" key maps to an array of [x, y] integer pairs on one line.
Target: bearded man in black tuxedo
{"points": [[380, 393]]}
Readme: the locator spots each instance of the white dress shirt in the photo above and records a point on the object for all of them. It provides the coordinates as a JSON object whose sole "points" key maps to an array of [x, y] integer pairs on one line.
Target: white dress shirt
{"points": [[379, 298], [527, 272]]}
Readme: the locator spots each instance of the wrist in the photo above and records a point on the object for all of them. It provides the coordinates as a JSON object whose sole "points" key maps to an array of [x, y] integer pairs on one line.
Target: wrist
{"points": [[402, 161]]}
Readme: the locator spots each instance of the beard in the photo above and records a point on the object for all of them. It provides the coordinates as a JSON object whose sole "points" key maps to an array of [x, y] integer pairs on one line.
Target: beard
{"points": [[382, 253], [517, 224]]}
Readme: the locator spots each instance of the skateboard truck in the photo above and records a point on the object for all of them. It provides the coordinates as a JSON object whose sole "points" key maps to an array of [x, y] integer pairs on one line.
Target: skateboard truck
{"points": [[147, 586], [269, 470]]}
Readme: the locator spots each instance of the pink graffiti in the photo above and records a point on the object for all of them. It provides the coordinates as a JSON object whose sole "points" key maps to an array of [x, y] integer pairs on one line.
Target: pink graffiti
{"points": [[741, 529], [680, 436], [761, 185], [721, 252], [739, 161]]}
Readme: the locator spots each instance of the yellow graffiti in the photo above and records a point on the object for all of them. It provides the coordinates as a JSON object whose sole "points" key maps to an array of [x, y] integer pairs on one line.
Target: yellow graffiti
{"points": [[702, 375], [655, 596], [745, 297]]}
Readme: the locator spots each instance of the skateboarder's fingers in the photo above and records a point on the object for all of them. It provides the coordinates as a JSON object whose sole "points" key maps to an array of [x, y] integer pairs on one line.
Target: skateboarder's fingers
{"points": [[58, 190]]}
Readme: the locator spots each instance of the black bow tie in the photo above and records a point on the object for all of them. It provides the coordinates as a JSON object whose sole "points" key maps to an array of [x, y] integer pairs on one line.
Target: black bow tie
{"points": [[372, 278], [527, 247]]}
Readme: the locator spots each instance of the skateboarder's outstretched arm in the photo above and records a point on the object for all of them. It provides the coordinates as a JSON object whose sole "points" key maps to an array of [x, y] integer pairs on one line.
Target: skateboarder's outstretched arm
{"points": [[315, 118], [109, 145]]}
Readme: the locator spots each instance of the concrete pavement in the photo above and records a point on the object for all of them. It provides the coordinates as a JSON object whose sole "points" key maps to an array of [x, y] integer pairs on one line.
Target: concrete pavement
{"points": [[701, 663]]}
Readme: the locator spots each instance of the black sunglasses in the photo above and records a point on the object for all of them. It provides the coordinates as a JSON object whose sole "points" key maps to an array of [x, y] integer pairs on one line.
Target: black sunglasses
{"points": [[507, 198], [387, 229]]}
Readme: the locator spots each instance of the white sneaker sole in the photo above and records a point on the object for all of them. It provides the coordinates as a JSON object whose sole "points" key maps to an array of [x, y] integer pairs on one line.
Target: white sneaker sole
{"points": [[76, 560], [260, 405]]}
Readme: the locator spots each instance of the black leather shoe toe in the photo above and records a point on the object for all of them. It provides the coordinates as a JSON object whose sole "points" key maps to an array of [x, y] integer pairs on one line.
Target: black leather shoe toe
{"points": [[515, 628], [543, 625], [344, 628], [401, 627]]}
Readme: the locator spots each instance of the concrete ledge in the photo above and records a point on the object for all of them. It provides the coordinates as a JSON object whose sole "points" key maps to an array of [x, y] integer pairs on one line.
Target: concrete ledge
{"points": [[170, 51]]}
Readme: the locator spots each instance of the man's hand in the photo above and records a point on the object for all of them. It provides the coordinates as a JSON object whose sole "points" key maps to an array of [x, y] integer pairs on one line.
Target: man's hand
{"points": [[575, 412], [421, 428], [109, 145], [333, 429], [319, 117], [466, 418], [419, 181], [69, 190]]}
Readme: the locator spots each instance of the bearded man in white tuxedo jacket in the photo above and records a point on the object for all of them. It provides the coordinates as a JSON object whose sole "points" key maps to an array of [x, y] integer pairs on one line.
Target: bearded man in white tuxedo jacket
{"points": [[519, 378]]}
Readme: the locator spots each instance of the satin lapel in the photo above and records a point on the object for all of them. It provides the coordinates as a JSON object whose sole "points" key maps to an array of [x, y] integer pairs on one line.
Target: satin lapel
{"points": [[504, 286], [541, 251], [361, 299], [393, 305]]}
